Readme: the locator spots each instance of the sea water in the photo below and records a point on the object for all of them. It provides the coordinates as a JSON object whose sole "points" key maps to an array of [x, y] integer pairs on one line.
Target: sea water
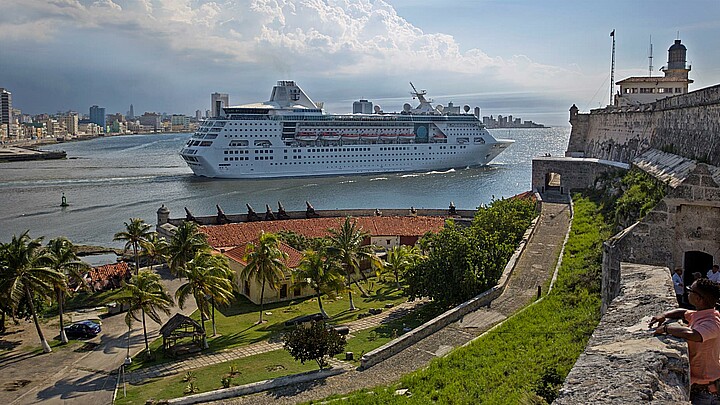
{"points": [[106, 181]]}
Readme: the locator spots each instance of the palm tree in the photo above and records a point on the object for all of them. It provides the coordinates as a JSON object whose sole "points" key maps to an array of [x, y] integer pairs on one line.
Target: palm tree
{"points": [[24, 276], [266, 263], [208, 281], [321, 273], [186, 241], [136, 232], [399, 259], [144, 293], [154, 249], [59, 256], [346, 245]]}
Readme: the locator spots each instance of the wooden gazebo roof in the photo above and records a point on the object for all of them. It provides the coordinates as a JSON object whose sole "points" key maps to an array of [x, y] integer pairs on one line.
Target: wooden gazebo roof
{"points": [[179, 321]]}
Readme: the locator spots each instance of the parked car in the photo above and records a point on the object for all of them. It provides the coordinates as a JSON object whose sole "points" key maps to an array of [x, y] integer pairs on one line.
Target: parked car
{"points": [[83, 329]]}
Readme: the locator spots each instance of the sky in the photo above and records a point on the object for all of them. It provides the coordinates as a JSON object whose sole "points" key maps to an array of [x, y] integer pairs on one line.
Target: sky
{"points": [[527, 58]]}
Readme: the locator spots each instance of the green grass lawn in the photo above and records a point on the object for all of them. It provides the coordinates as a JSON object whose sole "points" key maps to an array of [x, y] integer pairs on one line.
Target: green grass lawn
{"points": [[273, 364], [237, 324], [260, 367]]}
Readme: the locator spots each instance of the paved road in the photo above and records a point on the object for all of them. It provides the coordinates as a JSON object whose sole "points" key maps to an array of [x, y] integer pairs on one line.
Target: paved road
{"points": [[81, 375], [534, 268]]}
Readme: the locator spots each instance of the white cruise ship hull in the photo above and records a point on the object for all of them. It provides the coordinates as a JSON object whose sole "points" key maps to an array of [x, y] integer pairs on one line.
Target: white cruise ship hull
{"points": [[291, 137]]}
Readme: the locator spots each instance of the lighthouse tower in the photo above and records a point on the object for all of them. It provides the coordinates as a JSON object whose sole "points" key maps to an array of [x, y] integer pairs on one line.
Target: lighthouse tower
{"points": [[647, 89]]}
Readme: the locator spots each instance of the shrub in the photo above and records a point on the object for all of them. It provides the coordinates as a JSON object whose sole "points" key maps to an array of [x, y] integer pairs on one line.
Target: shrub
{"points": [[315, 342]]}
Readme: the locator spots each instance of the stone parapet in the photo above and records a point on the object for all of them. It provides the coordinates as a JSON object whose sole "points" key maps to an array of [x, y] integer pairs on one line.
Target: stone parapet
{"points": [[623, 362]]}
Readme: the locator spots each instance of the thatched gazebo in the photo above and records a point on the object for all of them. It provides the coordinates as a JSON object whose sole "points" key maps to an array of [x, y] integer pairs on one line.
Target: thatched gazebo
{"points": [[182, 335]]}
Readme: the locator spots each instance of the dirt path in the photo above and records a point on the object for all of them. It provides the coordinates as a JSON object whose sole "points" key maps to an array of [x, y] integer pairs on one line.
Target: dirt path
{"points": [[534, 268]]}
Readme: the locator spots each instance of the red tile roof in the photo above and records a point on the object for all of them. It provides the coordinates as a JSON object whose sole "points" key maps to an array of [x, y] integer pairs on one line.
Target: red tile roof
{"points": [[237, 254], [239, 234], [107, 271]]}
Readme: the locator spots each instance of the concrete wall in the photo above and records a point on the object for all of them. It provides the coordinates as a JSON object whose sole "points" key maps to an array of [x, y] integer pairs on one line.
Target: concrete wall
{"points": [[623, 362], [575, 173], [686, 125]]}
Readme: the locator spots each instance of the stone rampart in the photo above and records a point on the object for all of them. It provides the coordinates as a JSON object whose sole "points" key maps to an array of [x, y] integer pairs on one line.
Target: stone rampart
{"points": [[575, 173], [687, 125], [623, 362]]}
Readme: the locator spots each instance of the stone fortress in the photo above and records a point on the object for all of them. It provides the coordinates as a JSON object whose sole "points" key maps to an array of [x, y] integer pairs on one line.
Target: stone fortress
{"points": [[674, 135]]}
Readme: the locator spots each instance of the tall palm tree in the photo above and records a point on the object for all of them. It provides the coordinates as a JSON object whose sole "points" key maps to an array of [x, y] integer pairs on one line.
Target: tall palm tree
{"points": [[154, 249], [136, 232], [321, 273], [145, 294], [266, 264], [185, 243], [25, 276], [208, 282], [59, 256], [346, 245]]}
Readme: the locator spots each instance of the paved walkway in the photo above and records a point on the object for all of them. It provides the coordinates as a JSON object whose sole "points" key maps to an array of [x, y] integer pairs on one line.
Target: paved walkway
{"points": [[190, 363], [535, 267]]}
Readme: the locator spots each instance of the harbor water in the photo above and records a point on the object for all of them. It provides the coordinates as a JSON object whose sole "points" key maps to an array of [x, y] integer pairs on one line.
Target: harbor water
{"points": [[106, 181]]}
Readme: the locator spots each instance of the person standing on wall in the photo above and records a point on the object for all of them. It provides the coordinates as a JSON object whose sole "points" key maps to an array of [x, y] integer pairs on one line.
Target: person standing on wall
{"points": [[678, 285], [703, 339], [714, 273]]}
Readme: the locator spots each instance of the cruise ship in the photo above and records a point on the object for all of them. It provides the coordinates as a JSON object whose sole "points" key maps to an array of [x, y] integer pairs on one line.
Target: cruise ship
{"points": [[291, 136]]}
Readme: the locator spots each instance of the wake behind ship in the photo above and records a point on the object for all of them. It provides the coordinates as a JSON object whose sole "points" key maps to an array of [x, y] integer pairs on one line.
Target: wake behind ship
{"points": [[291, 136]]}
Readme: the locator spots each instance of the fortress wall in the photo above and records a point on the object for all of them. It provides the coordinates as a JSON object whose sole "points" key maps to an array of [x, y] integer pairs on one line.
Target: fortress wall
{"points": [[623, 362], [687, 125]]}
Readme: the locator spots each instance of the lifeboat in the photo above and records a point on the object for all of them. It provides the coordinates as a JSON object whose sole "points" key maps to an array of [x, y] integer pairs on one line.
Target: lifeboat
{"points": [[350, 137], [388, 137], [439, 138], [407, 137], [369, 137], [306, 136], [329, 136]]}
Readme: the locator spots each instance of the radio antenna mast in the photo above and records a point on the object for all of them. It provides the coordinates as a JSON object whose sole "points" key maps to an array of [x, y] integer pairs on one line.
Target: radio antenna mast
{"points": [[612, 69], [650, 58]]}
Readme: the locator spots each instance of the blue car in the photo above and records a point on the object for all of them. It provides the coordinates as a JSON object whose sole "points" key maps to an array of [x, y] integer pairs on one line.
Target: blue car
{"points": [[83, 329]]}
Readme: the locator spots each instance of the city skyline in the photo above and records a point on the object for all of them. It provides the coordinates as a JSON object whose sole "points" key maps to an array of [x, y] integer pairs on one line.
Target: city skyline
{"points": [[506, 57]]}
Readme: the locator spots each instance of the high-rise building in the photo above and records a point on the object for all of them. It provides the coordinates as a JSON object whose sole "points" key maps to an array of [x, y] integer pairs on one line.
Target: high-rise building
{"points": [[97, 115], [6, 116], [218, 101], [362, 107], [131, 113], [71, 123], [198, 115]]}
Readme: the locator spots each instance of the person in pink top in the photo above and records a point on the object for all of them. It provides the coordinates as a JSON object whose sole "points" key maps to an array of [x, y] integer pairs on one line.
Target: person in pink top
{"points": [[703, 338]]}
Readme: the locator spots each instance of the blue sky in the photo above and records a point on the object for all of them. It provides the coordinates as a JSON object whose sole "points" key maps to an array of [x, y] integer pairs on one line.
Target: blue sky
{"points": [[531, 59]]}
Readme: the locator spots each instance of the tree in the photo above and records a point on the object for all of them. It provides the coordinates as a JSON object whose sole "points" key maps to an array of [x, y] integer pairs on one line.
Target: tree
{"points": [[399, 259], [60, 256], [154, 249], [185, 242], [316, 342], [145, 294], [135, 233], [346, 245], [24, 276], [321, 273], [208, 281], [266, 264]]}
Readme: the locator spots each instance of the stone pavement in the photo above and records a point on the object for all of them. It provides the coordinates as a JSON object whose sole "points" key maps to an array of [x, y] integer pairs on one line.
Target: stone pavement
{"points": [[203, 360], [535, 267]]}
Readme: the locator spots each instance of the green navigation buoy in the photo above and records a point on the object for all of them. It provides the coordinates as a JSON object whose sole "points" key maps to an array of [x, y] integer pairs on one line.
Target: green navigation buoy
{"points": [[64, 201]]}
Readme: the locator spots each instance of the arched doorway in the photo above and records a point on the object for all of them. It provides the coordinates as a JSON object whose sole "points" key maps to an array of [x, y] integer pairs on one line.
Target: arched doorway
{"points": [[696, 261], [552, 182]]}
